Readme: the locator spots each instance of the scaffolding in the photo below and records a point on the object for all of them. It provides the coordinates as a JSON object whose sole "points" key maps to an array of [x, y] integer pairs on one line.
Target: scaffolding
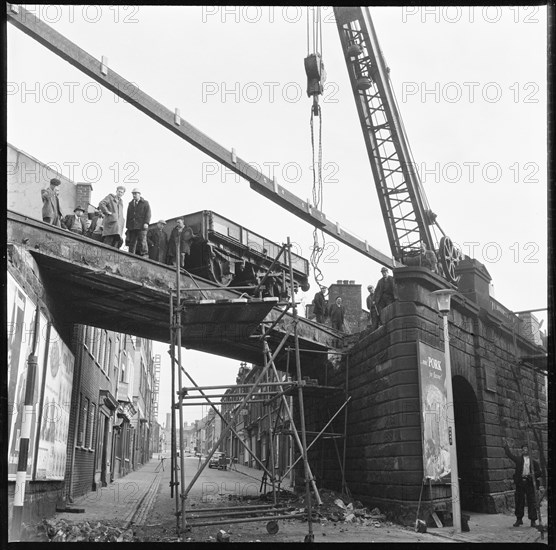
{"points": [[267, 388]]}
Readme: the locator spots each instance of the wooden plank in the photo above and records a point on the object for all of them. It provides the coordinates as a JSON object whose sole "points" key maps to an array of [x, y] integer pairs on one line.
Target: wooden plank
{"points": [[436, 519]]}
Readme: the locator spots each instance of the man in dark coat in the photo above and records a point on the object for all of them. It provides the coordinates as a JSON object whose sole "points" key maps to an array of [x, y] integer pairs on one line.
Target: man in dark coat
{"points": [[137, 224], [183, 235], [337, 314], [51, 212], [371, 306], [76, 222], [527, 480], [385, 292], [320, 305], [157, 239], [95, 229]]}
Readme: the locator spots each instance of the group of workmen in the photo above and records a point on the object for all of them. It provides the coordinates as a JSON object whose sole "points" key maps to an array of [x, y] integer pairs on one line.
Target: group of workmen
{"points": [[108, 224], [384, 294]]}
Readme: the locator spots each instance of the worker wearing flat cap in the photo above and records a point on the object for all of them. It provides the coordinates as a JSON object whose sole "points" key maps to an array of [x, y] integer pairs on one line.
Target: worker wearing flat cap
{"points": [[371, 306], [157, 241], [320, 305], [76, 222], [385, 293], [137, 224], [51, 212]]}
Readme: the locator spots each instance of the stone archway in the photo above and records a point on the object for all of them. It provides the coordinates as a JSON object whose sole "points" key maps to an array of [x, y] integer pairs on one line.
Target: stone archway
{"points": [[466, 414]]}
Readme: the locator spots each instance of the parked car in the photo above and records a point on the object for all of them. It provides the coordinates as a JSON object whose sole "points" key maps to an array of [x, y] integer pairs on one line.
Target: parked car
{"points": [[218, 460]]}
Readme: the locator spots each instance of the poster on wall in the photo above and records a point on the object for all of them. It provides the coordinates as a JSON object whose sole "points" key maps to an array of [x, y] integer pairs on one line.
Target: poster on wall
{"points": [[53, 433], [20, 331], [433, 396]]}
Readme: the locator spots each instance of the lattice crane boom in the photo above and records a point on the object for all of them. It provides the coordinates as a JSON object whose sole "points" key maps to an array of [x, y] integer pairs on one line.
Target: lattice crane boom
{"points": [[403, 202]]}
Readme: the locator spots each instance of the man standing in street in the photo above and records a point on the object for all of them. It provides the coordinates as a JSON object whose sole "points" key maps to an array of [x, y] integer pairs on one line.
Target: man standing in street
{"points": [[157, 239], [112, 207], [527, 481], [76, 222], [385, 292], [319, 305], [137, 224], [337, 314], [51, 212]]}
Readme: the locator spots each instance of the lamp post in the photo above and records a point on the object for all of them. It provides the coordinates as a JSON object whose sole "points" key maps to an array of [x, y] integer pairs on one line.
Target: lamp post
{"points": [[443, 302]]}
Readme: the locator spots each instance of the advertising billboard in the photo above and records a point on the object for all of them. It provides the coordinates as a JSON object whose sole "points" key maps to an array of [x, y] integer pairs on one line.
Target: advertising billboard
{"points": [[433, 396], [53, 433], [21, 311]]}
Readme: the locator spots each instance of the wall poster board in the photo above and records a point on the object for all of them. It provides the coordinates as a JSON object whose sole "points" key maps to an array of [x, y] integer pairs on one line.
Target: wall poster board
{"points": [[53, 433], [433, 397], [20, 331]]}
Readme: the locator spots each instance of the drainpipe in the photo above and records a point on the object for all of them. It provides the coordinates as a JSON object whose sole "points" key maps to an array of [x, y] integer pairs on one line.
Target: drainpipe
{"points": [[21, 475]]}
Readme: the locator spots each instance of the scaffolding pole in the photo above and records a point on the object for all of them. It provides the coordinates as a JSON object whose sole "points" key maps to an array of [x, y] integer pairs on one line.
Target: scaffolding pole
{"points": [[344, 485], [173, 455], [235, 415], [226, 422], [319, 434], [310, 537], [295, 433]]}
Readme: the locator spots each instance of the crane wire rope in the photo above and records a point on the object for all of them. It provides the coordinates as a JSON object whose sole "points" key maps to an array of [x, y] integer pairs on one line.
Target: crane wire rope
{"points": [[316, 153]]}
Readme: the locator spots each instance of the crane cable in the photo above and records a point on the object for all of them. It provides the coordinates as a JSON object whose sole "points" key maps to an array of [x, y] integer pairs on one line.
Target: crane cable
{"points": [[317, 250], [316, 163]]}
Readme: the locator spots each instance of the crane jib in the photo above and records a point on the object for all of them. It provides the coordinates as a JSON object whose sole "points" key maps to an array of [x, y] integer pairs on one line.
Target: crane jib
{"points": [[407, 215]]}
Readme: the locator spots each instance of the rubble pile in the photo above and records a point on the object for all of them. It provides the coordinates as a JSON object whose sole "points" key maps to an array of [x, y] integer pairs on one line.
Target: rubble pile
{"points": [[336, 509], [50, 530]]}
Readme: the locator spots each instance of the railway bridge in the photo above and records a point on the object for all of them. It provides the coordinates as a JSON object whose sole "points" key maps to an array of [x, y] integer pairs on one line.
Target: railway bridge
{"points": [[88, 282]]}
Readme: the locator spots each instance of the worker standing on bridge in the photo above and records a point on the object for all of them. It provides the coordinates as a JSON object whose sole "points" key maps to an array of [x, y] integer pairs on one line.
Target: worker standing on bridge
{"points": [[137, 224], [95, 229], [337, 314], [184, 235], [429, 258], [112, 206], [319, 305], [76, 222], [385, 292], [371, 306], [157, 239], [51, 212]]}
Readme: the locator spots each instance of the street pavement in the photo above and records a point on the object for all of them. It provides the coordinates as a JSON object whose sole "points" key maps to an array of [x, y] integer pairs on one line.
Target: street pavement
{"points": [[124, 502], [128, 502]]}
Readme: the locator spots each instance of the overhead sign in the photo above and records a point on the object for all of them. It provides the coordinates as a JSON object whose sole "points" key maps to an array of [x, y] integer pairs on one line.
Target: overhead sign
{"points": [[434, 403]]}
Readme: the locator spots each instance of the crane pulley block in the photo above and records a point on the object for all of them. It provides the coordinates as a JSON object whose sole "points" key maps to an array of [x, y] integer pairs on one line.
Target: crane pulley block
{"points": [[316, 74]]}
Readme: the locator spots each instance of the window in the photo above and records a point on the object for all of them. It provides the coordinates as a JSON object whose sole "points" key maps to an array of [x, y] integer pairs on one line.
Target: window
{"points": [[123, 363], [100, 440], [107, 354], [96, 342], [102, 350], [91, 425], [82, 424], [86, 336], [90, 338], [142, 377]]}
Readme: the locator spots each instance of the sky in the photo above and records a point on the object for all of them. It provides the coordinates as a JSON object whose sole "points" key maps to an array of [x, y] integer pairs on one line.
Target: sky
{"points": [[470, 84]]}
